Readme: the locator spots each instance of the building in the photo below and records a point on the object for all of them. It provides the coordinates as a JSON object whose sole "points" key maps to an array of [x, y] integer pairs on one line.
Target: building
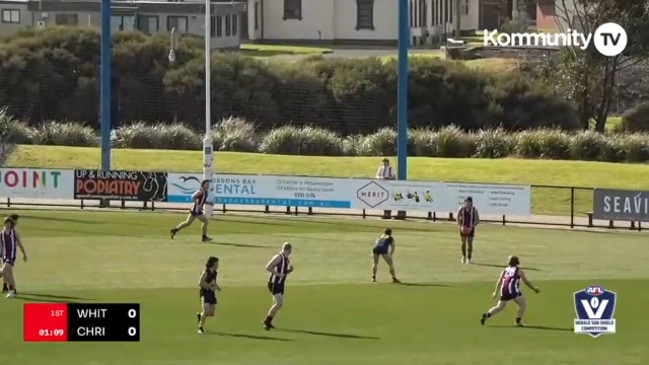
{"points": [[149, 17], [363, 21], [548, 14]]}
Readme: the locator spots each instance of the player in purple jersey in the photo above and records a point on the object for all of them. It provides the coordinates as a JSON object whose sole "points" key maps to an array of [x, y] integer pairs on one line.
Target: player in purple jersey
{"points": [[199, 200], [467, 218], [278, 267], [10, 244], [508, 287], [5, 287]]}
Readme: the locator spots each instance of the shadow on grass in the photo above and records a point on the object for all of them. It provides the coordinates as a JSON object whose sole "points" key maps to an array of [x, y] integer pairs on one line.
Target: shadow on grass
{"points": [[27, 298], [250, 337], [426, 285], [239, 245], [328, 334], [503, 266], [543, 328], [58, 297]]}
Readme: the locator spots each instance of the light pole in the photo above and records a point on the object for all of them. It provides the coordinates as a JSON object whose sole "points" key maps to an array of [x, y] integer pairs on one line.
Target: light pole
{"points": [[172, 46], [208, 144]]}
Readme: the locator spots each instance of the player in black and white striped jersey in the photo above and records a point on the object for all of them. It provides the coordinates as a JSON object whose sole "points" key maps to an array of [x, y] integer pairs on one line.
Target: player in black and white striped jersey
{"points": [[278, 267]]}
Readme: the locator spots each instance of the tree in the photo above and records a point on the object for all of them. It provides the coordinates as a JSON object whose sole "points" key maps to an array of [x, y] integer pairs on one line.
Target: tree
{"points": [[587, 78]]}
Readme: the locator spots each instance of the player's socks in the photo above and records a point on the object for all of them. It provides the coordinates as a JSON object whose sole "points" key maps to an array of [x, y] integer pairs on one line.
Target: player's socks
{"points": [[519, 323], [173, 232], [5, 288], [373, 279], [268, 323], [201, 330], [484, 318], [198, 317]]}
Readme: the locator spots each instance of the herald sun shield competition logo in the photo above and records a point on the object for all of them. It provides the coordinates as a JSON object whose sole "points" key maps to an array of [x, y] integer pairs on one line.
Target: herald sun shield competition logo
{"points": [[595, 307]]}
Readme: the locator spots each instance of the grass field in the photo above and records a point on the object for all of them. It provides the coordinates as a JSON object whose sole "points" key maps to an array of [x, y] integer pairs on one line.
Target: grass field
{"points": [[267, 50], [503, 65], [544, 200], [332, 313]]}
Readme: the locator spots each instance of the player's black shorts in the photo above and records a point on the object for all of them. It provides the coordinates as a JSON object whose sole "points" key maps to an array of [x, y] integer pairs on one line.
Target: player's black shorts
{"points": [[196, 213], [209, 297], [276, 288], [471, 234], [510, 296], [380, 250]]}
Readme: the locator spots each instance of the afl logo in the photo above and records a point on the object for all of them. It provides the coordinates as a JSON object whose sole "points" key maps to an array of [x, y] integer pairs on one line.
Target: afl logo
{"points": [[595, 290]]}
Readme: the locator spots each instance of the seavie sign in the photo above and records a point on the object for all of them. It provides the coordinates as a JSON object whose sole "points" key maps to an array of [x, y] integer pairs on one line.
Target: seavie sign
{"points": [[621, 205]]}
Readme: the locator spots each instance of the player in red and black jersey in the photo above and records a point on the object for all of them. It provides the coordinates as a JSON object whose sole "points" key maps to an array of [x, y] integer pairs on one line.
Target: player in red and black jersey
{"points": [[208, 288], [508, 287]]}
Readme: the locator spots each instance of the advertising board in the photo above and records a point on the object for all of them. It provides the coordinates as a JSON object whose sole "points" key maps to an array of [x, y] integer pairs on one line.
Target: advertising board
{"points": [[36, 183]]}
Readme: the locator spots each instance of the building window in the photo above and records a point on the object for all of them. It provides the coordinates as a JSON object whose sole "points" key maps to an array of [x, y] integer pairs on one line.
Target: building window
{"points": [[122, 22], [433, 12], [66, 19], [256, 16], [148, 24], [213, 27], [228, 26], [293, 9], [365, 14], [235, 24], [11, 16], [423, 13], [412, 15], [219, 26], [466, 7], [178, 22]]}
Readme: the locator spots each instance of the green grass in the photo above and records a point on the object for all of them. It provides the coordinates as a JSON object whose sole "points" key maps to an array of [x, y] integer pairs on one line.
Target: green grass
{"points": [[499, 65], [265, 50], [551, 201], [612, 123], [332, 313], [411, 54], [494, 65]]}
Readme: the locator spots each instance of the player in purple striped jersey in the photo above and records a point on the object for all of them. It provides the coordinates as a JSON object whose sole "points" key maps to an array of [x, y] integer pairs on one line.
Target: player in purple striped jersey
{"points": [[10, 244], [467, 218], [5, 287], [278, 267], [509, 288], [199, 200]]}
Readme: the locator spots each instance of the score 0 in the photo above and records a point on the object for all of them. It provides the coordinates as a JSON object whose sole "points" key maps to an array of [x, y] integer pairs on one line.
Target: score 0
{"points": [[133, 314]]}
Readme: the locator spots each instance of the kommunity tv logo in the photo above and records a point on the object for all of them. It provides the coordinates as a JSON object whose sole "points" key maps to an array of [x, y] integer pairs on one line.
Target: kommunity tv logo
{"points": [[610, 39]]}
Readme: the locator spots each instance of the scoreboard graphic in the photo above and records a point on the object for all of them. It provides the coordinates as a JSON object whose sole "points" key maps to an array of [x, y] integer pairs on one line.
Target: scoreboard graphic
{"points": [[81, 322]]}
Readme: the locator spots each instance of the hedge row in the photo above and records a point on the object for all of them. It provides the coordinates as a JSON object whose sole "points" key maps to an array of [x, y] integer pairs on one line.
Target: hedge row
{"points": [[52, 74], [241, 136]]}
